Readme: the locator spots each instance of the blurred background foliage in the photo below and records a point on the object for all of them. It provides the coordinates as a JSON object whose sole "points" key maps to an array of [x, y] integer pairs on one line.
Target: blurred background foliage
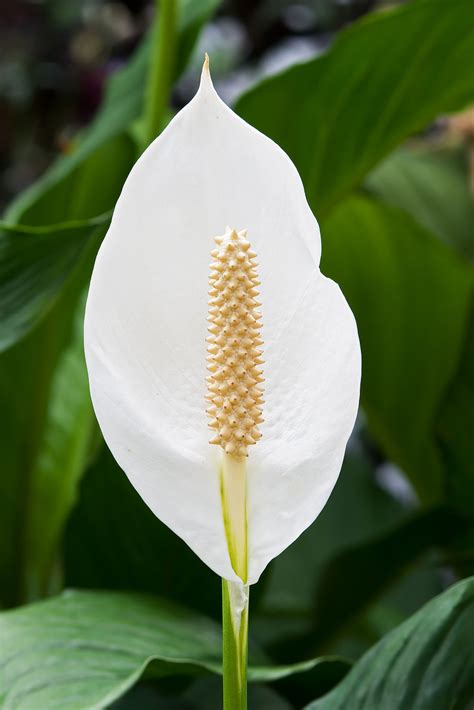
{"points": [[371, 101]]}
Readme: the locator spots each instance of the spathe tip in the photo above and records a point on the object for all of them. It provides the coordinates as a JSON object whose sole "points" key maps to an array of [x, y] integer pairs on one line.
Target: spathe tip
{"points": [[206, 73], [206, 80]]}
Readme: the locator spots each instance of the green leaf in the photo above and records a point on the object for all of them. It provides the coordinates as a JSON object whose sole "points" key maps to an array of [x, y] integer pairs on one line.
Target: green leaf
{"points": [[86, 649], [433, 187], [27, 368], [410, 295], [69, 433], [26, 373], [35, 263], [44, 321], [83, 650], [384, 78], [81, 185], [427, 662]]}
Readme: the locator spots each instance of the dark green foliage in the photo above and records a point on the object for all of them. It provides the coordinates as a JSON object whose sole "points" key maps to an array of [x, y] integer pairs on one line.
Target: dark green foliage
{"points": [[35, 263], [432, 186], [405, 288], [124, 546]]}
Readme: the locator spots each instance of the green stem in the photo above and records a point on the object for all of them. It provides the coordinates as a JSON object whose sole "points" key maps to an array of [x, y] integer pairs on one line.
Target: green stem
{"points": [[235, 595], [235, 616], [160, 77]]}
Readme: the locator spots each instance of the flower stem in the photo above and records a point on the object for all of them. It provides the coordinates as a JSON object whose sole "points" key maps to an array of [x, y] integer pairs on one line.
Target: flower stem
{"points": [[235, 595], [235, 599], [160, 77]]}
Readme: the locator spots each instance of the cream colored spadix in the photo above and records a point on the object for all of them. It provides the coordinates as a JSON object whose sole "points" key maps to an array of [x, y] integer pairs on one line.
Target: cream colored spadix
{"points": [[234, 385], [146, 329]]}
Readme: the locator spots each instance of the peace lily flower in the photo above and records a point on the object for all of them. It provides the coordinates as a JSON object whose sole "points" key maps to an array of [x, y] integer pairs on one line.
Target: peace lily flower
{"points": [[277, 338]]}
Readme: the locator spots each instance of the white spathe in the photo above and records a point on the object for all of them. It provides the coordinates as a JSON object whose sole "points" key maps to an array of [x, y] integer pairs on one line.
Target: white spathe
{"points": [[146, 327]]}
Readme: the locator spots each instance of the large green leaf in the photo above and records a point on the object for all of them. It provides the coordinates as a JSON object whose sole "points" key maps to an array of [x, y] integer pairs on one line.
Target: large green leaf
{"points": [[80, 185], [69, 434], [384, 78], [26, 374], [427, 662], [84, 649], [44, 321], [47, 288], [35, 262], [410, 295], [432, 186]]}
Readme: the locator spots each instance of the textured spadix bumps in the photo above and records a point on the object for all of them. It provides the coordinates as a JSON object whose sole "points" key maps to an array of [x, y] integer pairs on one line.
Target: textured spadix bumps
{"points": [[235, 391], [146, 328]]}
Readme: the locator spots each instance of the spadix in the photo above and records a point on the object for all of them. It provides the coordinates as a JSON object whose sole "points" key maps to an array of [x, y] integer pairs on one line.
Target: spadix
{"points": [[241, 500], [234, 385]]}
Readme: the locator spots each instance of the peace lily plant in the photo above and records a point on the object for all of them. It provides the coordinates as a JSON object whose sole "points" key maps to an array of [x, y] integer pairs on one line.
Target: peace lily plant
{"points": [[211, 267]]}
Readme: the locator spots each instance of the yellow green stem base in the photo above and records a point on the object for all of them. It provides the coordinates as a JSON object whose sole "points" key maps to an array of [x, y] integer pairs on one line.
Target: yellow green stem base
{"points": [[235, 615], [235, 595]]}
